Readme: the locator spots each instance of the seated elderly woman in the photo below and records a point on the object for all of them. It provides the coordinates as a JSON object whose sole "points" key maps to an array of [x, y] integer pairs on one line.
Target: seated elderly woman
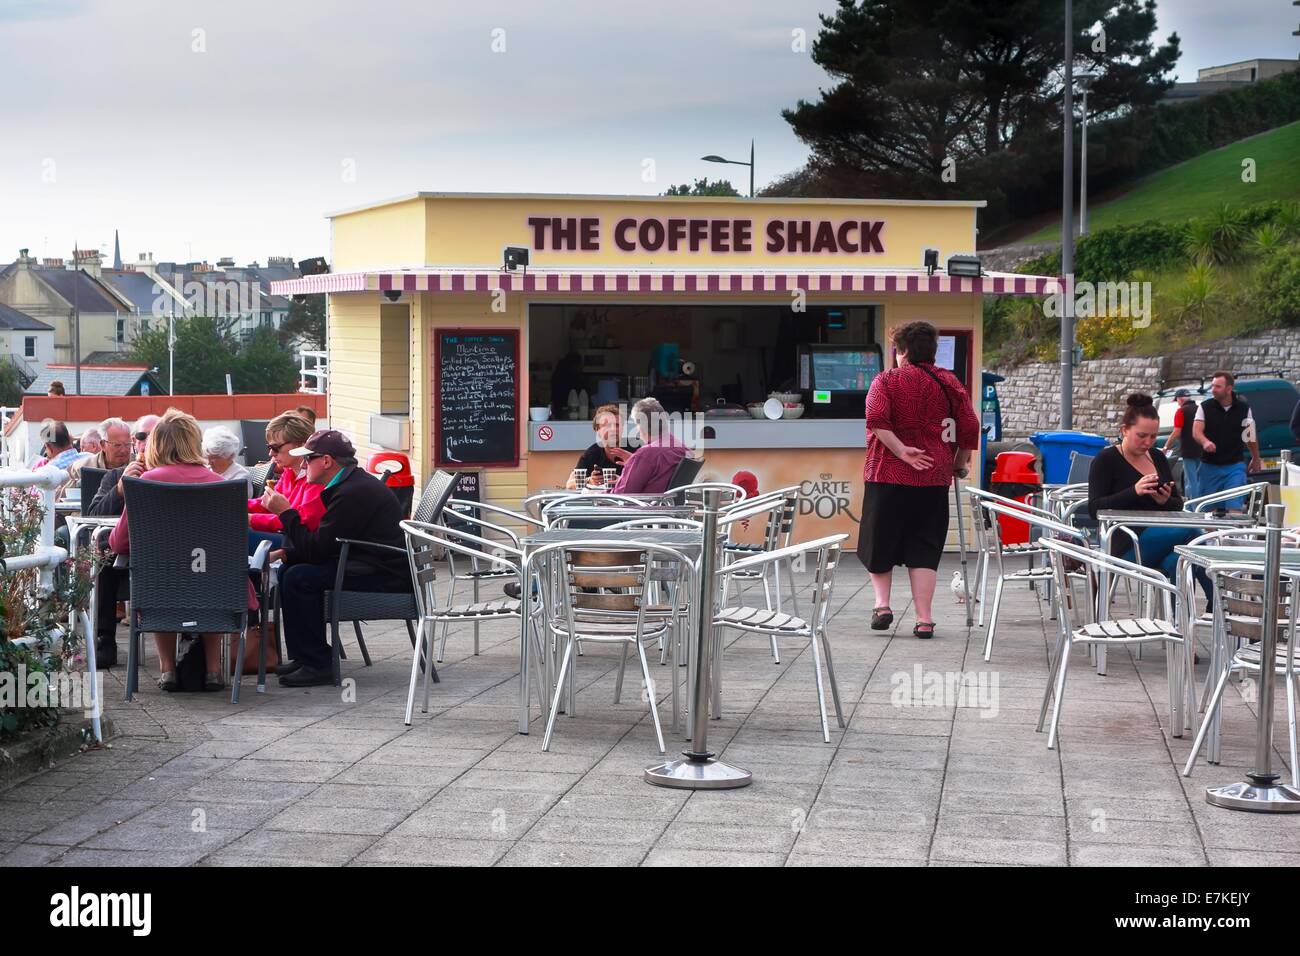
{"points": [[221, 446], [174, 454], [284, 433]]}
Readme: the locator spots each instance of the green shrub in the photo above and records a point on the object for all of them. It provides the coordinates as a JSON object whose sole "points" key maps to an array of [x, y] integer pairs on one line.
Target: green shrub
{"points": [[1277, 285]]}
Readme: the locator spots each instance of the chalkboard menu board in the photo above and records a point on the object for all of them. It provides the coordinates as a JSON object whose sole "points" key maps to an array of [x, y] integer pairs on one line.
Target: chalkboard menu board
{"points": [[476, 397]]}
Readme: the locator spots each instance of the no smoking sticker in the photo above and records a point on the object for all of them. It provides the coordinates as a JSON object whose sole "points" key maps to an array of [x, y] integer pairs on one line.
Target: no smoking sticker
{"points": [[545, 433]]}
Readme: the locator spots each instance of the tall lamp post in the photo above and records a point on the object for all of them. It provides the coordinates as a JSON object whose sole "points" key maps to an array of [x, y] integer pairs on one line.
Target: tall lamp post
{"points": [[1086, 79], [735, 162], [1067, 225]]}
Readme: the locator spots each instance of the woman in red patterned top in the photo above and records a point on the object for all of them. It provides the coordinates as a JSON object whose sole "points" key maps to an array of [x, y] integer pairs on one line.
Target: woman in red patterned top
{"points": [[916, 414]]}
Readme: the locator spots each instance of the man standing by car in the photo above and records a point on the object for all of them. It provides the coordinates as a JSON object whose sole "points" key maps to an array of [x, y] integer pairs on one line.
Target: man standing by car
{"points": [[1224, 429], [1182, 439]]}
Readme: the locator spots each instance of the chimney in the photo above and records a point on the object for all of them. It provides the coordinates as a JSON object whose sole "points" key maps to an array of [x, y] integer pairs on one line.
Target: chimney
{"points": [[226, 262], [52, 263], [24, 260], [88, 260]]}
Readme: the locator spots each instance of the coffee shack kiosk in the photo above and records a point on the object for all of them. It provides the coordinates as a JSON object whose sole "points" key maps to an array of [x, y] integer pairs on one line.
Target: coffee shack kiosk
{"points": [[455, 320]]}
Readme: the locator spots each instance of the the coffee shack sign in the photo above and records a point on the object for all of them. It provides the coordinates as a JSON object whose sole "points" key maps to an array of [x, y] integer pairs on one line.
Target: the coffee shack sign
{"points": [[672, 234]]}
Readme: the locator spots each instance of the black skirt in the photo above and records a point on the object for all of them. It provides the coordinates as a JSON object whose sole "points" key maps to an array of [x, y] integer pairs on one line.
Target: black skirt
{"points": [[902, 525]]}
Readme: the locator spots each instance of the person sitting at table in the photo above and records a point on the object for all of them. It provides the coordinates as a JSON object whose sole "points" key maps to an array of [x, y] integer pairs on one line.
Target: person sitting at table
{"points": [[90, 442], [108, 503], [114, 450], [606, 451], [57, 448], [221, 446], [108, 500], [357, 506], [285, 434], [1134, 475], [650, 468], [174, 454]]}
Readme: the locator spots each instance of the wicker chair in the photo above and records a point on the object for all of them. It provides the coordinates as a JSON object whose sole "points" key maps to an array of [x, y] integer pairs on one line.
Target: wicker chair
{"points": [[195, 581]]}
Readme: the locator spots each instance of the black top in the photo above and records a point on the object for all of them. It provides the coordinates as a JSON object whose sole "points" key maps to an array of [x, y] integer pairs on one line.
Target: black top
{"points": [[1188, 446], [1225, 427], [1110, 487], [595, 457], [362, 508]]}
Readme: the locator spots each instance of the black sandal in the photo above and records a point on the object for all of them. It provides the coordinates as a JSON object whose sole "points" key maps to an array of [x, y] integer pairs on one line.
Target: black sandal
{"points": [[924, 630], [881, 618]]}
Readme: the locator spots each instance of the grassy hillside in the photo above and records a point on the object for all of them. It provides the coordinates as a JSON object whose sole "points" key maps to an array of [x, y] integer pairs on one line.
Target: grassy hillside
{"points": [[1203, 184]]}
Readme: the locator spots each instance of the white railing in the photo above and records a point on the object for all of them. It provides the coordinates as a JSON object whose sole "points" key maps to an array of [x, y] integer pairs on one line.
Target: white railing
{"points": [[46, 556], [6, 444], [313, 372]]}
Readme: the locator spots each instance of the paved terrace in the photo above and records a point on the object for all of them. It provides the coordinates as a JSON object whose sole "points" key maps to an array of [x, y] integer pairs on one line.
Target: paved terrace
{"points": [[302, 777]]}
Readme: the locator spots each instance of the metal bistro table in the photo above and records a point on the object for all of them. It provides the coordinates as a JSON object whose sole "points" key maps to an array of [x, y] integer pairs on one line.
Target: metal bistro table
{"points": [[688, 542], [1109, 520], [1261, 791]]}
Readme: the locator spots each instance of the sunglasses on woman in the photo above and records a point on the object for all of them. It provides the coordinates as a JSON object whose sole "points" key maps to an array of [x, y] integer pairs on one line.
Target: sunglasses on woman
{"points": [[274, 447]]}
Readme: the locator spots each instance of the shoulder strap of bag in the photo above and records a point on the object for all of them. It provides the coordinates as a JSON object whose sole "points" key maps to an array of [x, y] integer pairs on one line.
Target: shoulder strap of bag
{"points": [[952, 412]]}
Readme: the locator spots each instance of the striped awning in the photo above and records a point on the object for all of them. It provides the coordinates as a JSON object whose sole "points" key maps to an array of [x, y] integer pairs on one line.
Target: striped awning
{"points": [[649, 281]]}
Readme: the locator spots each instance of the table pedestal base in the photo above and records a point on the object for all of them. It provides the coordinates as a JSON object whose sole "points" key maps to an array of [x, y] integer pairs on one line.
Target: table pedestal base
{"points": [[1256, 797], [688, 774]]}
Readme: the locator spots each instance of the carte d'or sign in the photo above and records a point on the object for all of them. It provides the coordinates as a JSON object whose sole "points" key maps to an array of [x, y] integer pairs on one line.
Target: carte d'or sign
{"points": [[685, 234]]}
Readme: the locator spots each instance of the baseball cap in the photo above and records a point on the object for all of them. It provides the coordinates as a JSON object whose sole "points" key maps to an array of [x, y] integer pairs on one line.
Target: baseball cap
{"points": [[1182, 393], [326, 441]]}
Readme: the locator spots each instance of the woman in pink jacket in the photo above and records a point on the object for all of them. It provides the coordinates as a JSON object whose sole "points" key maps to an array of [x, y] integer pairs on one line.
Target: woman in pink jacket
{"points": [[174, 454], [284, 433]]}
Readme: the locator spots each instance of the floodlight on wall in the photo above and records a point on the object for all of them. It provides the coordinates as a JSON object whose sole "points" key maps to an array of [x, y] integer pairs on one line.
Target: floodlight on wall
{"points": [[392, 295], [965, 267], [931, 261], [514, 257]]}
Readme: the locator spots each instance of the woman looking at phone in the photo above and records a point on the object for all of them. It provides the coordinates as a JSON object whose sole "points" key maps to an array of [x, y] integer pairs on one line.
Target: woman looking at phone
{"points": [[1134, 475]]}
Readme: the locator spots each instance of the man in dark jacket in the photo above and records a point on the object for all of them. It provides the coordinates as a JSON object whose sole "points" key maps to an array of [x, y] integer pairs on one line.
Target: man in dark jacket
{"points": [[110, 581], [357, 506]]}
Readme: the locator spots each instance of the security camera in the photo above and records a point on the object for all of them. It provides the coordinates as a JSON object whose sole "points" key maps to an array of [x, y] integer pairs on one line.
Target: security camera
{"points": [[392, 295]]}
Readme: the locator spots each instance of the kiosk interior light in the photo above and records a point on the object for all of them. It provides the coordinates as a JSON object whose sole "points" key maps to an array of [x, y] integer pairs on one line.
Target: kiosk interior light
{"points": [[931, 261], [965, 266], [514, 257]]}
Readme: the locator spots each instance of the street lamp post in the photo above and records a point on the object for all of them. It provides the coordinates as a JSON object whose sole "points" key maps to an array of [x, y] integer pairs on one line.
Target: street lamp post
{"points": [[1067, 225], [736, 162], [1085, 82]]}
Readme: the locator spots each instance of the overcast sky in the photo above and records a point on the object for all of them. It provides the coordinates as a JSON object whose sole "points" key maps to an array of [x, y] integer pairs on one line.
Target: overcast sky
{"points": [[203, 129]]}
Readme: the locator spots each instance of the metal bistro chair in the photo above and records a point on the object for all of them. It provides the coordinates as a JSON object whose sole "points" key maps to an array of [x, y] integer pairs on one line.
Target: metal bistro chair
{"points": [[1167, 628], [465, 515], [553, 515], [195, 581], [693, 494], [535, 504], [776, 623], [424, 541], [1255, 493], [1239, 616], [989, 542], [779, 509], [618, 612]]}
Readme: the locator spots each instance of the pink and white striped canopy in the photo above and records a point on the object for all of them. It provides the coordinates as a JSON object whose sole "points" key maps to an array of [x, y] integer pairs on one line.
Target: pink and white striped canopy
{"points": [[600, 281]]}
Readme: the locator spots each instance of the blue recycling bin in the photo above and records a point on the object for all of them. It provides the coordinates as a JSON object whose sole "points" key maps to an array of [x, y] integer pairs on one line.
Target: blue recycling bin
{"points": [[1056, 447]]}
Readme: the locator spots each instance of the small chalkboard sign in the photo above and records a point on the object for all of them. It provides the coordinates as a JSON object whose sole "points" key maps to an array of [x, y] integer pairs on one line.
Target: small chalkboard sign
{"points": [[468, 487], [476, 398]]}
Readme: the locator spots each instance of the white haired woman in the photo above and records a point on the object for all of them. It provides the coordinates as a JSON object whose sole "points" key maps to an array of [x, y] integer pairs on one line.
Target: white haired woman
{"points": [[221, 446]]}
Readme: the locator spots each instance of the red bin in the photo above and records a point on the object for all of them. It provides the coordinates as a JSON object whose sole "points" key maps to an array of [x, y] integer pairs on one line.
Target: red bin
{"points": [[394, 470], [1015, 475]]}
